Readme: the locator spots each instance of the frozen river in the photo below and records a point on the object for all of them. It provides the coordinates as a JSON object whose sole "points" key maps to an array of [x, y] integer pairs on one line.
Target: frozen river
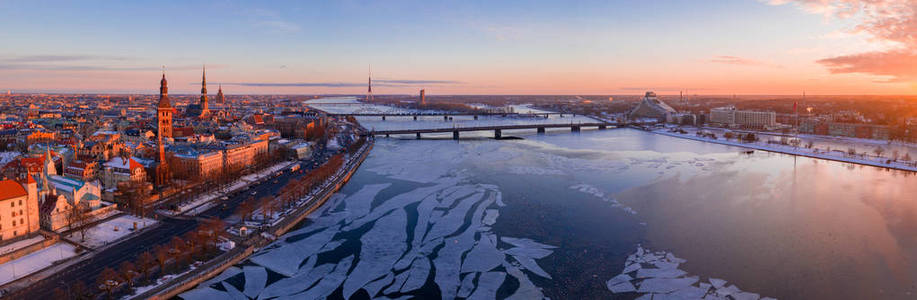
{"points": [[594, 215]]}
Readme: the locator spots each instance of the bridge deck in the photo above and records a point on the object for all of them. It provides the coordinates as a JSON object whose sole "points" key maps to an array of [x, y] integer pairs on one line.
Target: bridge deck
{"points": [[420, 114], [487, 128]]}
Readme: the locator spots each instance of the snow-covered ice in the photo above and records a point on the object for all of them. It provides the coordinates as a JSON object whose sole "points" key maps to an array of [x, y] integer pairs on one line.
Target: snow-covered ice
{"points": [[655, 274], [450, 245]]}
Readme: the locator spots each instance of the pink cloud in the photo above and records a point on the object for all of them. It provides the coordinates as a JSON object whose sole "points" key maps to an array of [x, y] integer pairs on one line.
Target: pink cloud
{"points": [[891, 21]]}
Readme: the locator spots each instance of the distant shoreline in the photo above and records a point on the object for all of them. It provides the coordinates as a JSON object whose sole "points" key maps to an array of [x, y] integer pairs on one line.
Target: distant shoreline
{"points": [[796, 152]]}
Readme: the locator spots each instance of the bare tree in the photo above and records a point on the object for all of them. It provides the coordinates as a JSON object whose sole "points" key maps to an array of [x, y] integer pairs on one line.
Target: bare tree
{"points": [[878, 151], [77, 218], [107, 281], [162, 256], [144, 262], [128, 272], [245, 209]]}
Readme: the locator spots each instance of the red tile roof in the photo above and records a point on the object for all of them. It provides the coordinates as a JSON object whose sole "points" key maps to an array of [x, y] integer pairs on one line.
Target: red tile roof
{"points": [[11, 189]]}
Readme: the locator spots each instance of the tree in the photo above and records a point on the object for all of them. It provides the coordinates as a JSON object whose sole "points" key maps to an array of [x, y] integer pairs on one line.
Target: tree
{"points": [[851, 151], [809, 144], [128, 272], [61, 293], [145, 262], [162, 256], [267, 208], [107, 281], [79, 290], [795, 143], [906, 157], [878, 151], [77, 217], [245, 209], [895, 155]]}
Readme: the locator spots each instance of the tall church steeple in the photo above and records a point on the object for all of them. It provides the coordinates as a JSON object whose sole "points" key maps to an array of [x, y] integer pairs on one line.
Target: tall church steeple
{"points": [[204, 105], [164, 92], [163, 129]]}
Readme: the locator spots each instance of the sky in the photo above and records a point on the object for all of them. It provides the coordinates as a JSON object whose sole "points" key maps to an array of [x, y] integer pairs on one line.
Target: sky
{"points": [[462, 47]]}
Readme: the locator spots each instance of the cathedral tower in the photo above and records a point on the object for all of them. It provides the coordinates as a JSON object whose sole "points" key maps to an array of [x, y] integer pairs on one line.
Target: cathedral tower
{"points": [[205, 108], [164, 130]]}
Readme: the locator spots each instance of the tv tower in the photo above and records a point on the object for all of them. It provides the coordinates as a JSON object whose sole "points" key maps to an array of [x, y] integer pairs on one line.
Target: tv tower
{"points": [[369, 88]]}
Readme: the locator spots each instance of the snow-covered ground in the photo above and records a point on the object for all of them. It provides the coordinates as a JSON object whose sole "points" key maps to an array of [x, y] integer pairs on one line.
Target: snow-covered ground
{"points": [[112, 230], [815, 153], [35, 261], [20, 244]]}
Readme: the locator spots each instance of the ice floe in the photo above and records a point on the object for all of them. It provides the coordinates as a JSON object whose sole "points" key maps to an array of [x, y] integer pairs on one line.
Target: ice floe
{"points": [[655, 275], [437, 231], [591, 190]]}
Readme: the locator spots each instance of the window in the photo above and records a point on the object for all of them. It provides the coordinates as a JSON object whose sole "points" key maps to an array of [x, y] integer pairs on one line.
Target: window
{"points": [[14, 233], [14, 213], [14, 222], [22, 221], [12, 204], [20, 212], [20, 201]]}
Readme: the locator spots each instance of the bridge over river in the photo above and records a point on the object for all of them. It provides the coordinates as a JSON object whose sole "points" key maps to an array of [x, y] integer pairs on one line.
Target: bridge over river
{"points": [[498, 129]]}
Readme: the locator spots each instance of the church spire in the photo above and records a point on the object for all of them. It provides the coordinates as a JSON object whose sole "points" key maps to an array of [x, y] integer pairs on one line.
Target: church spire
{"points": [[204, 81], [204, 106], [164, 91]]}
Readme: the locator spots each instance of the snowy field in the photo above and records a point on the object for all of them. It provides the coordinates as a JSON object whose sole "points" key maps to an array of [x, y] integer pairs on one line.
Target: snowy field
{"points": [[20, 244], [110, 231], [35, 261]]}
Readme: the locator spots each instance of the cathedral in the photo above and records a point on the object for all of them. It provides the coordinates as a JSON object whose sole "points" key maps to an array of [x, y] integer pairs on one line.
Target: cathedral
{"points": [[202, 109]]}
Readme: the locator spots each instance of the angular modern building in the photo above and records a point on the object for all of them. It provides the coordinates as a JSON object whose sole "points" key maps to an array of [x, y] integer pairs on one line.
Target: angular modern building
{"points": [[652, 108]]}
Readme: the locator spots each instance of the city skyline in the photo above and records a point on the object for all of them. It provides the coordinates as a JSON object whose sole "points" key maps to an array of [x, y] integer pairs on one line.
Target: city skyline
{"points": [[706, 47]]}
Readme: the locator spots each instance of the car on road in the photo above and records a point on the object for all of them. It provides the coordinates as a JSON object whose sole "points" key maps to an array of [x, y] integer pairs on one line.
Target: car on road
{"points": [[254, 193]]}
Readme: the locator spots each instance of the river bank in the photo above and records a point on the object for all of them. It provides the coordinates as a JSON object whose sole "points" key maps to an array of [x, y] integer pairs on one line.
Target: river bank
{"points": [[215, 266], [799, 151]]}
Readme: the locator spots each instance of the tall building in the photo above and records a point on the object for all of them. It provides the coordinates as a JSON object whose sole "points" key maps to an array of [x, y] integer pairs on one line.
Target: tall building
{"points": [[164, 129], [369, 87], [220, 96], [423, 98]]}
